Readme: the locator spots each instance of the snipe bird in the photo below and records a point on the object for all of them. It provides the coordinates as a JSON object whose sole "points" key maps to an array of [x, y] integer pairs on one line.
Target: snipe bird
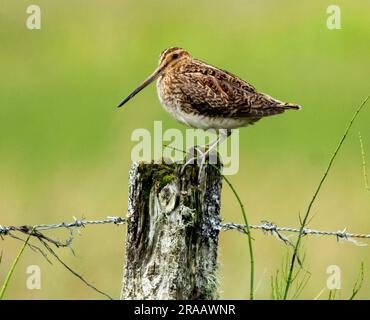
{"points": [[202, 96]]}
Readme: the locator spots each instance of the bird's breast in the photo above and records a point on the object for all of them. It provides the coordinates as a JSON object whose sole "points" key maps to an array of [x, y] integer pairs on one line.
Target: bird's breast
{"points": [[170, 96], [169, 90]]}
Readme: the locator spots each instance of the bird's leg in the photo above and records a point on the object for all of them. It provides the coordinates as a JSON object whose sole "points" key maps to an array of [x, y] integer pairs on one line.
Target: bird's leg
{"points": [[224, 134], [194, 153], [198, 153]]}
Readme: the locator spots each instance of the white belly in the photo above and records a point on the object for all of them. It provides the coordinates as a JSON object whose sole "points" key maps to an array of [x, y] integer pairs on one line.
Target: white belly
{"points": [[206, 122]]}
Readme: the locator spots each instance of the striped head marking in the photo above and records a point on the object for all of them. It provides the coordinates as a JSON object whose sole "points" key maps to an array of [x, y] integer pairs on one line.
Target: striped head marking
{"points": [[171, 56]]}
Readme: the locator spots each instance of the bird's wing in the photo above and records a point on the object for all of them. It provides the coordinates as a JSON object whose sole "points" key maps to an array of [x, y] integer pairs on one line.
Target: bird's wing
{"points": [[213, 91]]}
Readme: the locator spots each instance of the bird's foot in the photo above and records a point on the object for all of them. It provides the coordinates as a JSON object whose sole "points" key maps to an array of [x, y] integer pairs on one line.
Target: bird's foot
{"points": [[210, 157], [203, 159], [199, 155], [192, 156]]}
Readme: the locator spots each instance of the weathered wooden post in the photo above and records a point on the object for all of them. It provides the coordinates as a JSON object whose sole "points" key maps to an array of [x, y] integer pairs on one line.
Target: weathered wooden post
{"points": [[172, 235]]}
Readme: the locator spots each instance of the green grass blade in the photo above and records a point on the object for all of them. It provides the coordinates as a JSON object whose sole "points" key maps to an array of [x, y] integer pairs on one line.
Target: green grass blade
{"points": [[305, 219], [364, 171], [358, 283], [15, 262], [250, 246]]}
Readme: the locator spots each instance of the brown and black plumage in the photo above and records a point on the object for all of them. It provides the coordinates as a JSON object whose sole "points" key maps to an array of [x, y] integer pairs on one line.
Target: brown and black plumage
{"points": [[202, 96]]}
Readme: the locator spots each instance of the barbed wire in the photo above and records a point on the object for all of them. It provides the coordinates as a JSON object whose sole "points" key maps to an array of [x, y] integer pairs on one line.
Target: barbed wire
{"points": [[276, 230], [75, 224], [35, 232], [264, 226]]}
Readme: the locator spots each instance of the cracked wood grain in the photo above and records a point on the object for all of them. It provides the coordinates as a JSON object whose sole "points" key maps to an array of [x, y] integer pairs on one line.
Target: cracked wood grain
{"points": [[172, 235]]}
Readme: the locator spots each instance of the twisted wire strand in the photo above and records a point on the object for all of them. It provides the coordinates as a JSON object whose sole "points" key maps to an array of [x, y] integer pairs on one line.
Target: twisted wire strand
{"points": [[75, 224], [270, 227], [264, 226]]}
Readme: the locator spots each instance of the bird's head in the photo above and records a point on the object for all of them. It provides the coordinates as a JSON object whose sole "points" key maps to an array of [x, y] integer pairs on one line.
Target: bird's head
{"points": [[168, 59], [172, 56]]}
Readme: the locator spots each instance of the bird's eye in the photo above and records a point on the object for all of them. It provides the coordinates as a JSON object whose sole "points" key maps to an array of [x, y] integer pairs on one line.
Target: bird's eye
{"points": [[175, 56]]}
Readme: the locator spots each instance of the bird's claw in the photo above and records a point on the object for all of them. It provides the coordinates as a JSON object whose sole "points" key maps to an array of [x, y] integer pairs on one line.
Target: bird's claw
{"points": [[200, 156], [195, 154]]}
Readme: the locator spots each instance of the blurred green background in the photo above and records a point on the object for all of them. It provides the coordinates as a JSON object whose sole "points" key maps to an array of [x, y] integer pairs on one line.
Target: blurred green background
{"points": [[65, 148]]}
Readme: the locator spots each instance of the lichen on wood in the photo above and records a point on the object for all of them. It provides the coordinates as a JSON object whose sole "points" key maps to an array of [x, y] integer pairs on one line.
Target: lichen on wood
{"points": [[172, 235]]}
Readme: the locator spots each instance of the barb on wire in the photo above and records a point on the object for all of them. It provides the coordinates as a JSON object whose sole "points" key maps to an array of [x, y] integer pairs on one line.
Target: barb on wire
{"points": [[264, 226], [35, 232], [75, 224], [276, 230]]}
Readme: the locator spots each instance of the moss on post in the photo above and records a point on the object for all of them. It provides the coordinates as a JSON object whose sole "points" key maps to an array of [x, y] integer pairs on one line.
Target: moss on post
{"points": [[172, 236]]}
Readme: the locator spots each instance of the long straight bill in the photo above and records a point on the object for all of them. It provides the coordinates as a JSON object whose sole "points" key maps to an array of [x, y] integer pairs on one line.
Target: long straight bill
{"points": [[142, 86]]}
